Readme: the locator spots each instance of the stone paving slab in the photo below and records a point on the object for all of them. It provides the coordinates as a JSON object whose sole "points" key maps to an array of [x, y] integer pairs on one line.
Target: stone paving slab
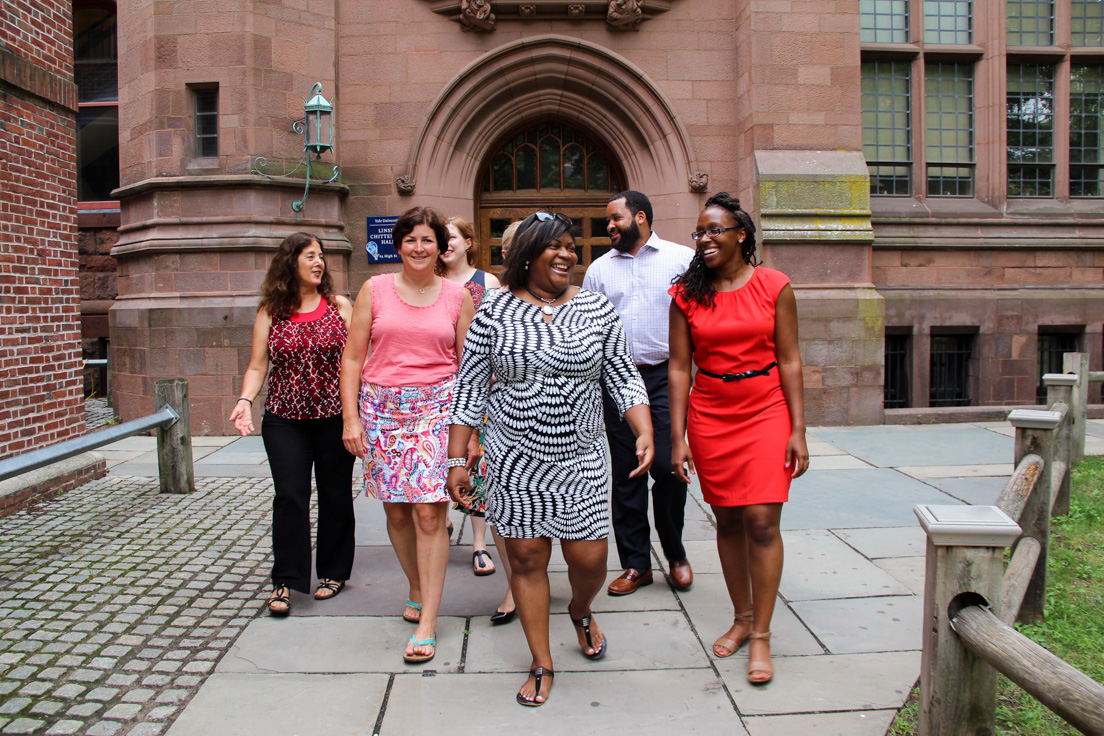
{"points": [[908, 570], [659, 703], [652, 640], [710, 608], [902, 541], [958, 471], [850, 499], [138, 443], [974, 491], [837, 462], [1094, 428], [147, 470], [854, 723], [336, 644], [226, 456], [824, 683], [854, 625], [819, 565], [264, 705], [820, 448], [950, 444]]}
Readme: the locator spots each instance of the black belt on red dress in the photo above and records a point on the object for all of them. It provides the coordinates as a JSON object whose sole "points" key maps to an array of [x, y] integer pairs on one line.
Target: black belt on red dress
{"points": [[727, 377]]}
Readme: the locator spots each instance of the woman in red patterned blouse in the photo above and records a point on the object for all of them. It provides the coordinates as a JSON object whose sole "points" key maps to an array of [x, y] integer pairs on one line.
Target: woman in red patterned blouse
{"points": [[298, 338]]}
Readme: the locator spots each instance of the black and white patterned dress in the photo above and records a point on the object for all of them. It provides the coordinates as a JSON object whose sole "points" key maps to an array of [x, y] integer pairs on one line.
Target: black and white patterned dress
{"points": [[544, 445]]}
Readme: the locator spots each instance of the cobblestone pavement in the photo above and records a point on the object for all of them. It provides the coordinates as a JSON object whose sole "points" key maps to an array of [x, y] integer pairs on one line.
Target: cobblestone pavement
{"points": [[117, 601], [97, 414]]}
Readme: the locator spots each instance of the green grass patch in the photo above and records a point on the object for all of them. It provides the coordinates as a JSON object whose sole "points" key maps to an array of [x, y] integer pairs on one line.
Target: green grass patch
{"points": [[1074, 626]]}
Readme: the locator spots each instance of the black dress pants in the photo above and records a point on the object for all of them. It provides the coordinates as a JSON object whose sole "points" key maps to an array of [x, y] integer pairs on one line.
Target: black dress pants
{"points": [[294, 446], [629, 504]]}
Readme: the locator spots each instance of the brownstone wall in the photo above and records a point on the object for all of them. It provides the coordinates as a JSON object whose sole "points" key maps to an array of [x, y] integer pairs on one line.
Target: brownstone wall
{"points": [[40, 391], [98, 277]]}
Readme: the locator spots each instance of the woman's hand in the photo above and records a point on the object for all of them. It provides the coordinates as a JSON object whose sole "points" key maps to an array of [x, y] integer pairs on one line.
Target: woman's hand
{"points": [[797, 454], [473, 451], [352, 434], [681, 458], [645, 454], [459, 486], [242, 418]]}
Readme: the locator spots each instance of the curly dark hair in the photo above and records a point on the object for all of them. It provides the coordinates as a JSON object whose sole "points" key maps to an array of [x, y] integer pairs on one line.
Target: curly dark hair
{"points": [[280, 290], [423, 216], [697, 280], [532, 236]]}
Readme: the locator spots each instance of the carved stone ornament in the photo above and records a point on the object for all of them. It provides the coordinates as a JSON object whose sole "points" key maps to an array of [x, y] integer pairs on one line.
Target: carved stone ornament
{"points": [[624, 15], [405, 185], [527, 11], [576, 10], [477, 15], [699, 182]]}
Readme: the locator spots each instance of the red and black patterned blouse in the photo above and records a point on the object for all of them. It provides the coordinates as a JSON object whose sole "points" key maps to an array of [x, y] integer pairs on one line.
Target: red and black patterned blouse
{"points": [[304, 354]]}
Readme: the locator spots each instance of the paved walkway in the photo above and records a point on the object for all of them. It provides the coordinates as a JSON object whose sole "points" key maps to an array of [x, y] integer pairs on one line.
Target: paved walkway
{"points": [[126, 612]]}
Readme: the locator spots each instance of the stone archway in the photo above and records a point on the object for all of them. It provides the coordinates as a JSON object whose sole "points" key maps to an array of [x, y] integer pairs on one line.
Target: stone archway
{"points": [[551, 75]]}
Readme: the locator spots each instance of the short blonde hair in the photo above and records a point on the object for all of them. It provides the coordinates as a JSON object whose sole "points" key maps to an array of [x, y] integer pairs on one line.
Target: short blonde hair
{"points": [[467, 232], [508, 237]]}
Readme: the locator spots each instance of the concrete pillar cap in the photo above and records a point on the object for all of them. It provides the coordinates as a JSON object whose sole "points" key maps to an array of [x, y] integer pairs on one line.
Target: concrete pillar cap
{"points": [[1034, 419], [1060, 379], [967, 526]]}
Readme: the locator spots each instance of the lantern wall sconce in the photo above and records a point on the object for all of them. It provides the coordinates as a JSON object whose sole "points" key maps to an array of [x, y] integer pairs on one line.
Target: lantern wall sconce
{"points": [[317, 129]]}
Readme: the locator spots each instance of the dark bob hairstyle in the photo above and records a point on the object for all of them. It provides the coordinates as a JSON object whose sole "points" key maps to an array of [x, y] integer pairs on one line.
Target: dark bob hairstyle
{"points": [[423, 216], [532, 236]]}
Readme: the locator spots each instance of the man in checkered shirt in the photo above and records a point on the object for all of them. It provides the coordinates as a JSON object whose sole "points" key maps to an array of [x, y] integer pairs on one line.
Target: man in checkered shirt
{"points": [[635, 276]]}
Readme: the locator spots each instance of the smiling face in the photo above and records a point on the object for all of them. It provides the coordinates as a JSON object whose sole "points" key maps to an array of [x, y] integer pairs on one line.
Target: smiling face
{"points": [[622, 225], [419, 250], [311, 265], [725, 249], [550, 272], [456, 253]]}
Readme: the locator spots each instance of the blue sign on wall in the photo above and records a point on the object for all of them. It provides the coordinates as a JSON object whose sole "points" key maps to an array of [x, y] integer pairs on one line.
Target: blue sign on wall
{"points": [[380, 248]]}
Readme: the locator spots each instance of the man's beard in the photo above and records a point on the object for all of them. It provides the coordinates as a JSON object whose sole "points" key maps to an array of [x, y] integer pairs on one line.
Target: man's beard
{"points": [[628, 239]]}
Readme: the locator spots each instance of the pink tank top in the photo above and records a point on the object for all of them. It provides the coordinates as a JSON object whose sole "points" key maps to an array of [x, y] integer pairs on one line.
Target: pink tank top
{"points": [[412, 346]]}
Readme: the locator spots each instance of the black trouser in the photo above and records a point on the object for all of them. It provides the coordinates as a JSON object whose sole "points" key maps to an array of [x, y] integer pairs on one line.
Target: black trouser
{"points": [[629, 507], [293, 447]]}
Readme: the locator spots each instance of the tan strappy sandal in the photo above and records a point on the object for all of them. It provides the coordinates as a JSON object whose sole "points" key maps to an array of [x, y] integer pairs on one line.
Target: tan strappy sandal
{"points": [[760, 672], [731, 645]]}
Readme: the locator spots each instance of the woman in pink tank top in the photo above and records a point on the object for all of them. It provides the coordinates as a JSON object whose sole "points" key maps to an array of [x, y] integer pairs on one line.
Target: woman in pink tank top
{"points": [[395, 407]]}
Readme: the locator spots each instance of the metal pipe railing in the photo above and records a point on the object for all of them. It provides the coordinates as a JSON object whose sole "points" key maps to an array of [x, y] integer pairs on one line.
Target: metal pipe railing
{"points": [[10, 467]]}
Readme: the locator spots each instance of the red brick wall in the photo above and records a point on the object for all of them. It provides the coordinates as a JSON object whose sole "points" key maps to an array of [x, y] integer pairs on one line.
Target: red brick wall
{"points": [[40, 378]]}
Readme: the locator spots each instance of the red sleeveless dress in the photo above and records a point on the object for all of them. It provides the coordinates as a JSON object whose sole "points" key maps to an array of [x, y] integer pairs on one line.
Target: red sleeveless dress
{"points": [[738, 430]]}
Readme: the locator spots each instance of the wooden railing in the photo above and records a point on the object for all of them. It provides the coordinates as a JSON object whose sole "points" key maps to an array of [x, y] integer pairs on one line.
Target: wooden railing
{"points": [[971, 601]]}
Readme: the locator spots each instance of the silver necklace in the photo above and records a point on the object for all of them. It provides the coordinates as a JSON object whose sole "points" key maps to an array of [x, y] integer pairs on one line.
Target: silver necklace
{"points": [[547, 308]]}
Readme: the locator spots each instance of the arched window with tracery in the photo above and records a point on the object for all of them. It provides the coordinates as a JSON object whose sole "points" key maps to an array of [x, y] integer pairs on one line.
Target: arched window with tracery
{"points": [[554, 166]]}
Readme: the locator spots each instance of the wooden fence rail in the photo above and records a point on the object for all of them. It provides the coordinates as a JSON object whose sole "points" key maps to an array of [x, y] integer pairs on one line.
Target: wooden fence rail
{"points": [[970, 600]]}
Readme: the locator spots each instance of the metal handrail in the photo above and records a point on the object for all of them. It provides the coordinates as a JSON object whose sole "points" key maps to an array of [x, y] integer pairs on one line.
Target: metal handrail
{"points": [[10, 467]]}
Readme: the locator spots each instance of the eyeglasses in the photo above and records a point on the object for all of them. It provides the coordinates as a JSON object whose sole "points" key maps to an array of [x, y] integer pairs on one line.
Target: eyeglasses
{"points": [[712, 232], [549, 217]]}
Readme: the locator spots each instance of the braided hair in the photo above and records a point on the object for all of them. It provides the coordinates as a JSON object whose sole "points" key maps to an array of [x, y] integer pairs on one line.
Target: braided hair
{"points": [[696, 281]]}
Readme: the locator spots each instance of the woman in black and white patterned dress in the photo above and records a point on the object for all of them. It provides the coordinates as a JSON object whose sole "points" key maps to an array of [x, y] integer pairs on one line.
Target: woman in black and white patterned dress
{"points": [[548, 344]]}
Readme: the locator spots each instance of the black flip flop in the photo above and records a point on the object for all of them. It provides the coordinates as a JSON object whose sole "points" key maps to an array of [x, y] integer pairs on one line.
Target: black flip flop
{"points": [[537, 673]]}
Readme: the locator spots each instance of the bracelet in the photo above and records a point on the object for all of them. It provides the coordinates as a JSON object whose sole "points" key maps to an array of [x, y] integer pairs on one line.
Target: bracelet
{"points": [[456, 462], [245, 400]]}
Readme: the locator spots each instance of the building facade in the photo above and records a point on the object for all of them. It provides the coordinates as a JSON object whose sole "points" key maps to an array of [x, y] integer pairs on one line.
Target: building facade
{"points": [[926, 172]]}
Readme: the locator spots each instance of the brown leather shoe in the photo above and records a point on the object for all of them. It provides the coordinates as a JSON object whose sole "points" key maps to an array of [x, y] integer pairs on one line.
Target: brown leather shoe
{"points": [[629, 581], [682, 577]]}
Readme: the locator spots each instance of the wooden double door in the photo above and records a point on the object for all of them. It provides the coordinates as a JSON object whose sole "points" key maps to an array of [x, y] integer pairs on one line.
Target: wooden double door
{"points": [[591, 239]]}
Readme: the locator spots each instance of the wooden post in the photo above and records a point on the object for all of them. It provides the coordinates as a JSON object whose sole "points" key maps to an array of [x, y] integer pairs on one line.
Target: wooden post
{"points": [[174, 445], [965, 555], [1035, 434], [1078, 364], [1060, 389]]}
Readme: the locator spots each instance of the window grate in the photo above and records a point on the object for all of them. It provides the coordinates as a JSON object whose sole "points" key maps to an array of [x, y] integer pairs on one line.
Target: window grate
{"points": [[949, 101], [950, 370], [948, 21], [1052, 346], [1030, 22], [1087, 23], [887, 126], [206, 122], [896, 372], [1030, 119], [884, 21], [1086, 145]]}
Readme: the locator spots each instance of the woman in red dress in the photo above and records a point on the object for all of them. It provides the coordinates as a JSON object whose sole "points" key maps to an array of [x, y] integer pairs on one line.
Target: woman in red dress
{"points": [[743, 432]]}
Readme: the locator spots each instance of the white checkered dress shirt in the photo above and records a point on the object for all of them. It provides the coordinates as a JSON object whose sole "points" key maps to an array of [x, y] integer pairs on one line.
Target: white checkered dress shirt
{"points": [[637, 286]]}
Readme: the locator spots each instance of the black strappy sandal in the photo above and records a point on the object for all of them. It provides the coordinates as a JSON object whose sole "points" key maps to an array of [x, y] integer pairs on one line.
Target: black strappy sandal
{"points": [[538, 674], [280, 594], [584, 624], [333, 586]]}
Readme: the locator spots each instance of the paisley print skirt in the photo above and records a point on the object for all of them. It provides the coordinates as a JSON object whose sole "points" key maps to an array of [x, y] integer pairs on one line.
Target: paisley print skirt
{"points": [[406, 431]]}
